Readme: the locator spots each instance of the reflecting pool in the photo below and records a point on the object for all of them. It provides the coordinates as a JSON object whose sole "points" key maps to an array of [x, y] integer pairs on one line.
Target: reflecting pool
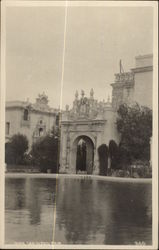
{"points": [[77, 211]]}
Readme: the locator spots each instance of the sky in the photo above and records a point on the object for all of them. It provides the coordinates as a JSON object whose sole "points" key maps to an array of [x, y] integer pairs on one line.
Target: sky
{"points": [[96, 39]]}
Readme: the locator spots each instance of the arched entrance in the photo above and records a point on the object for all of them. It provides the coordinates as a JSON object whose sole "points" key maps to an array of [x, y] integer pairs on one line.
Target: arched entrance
{"points": [[83, 154]]}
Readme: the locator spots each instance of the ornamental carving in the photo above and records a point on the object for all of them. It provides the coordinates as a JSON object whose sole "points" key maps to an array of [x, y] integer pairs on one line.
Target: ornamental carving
{"points": [[86, 107], [122, 88], [41, 102], [124, 77], [40, 129]]}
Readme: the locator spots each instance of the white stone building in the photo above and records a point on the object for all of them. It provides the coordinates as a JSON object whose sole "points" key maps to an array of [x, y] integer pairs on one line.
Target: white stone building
{"points": [[31, 119], [136, 85], [94, 122], [89, 119]]}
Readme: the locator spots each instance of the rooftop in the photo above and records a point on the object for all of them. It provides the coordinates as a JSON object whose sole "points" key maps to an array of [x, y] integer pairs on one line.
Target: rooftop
{"points": [[40, 105]]}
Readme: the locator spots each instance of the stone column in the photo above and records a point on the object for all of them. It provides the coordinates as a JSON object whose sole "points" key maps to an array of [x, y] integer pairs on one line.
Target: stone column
{"points": [[72, 157], [69, 168], [67, 150], [63, 152], [96, 161]]}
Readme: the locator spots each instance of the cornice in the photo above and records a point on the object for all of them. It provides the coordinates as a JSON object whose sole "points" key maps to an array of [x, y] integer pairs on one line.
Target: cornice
{"points": [[122, 84], [142, 69], [84, 122], [52, 113]]}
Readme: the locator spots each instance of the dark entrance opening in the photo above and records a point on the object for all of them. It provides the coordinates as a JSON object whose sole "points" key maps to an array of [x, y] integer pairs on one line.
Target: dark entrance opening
{"points": [[84, 155], [81, 156]]}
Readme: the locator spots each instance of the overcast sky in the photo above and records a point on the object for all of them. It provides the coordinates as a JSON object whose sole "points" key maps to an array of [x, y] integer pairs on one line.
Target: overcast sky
{"points": [[96, 39]]}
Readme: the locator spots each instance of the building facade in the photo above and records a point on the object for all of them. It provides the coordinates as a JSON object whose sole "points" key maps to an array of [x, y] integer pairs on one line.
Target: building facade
{"points": [[143, 79], [136, 85], [93, 123], [89, 121], [31, 119]]}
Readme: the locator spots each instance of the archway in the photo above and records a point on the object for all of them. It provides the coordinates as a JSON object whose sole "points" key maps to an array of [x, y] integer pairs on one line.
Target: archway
{"points": [[83, 154]]}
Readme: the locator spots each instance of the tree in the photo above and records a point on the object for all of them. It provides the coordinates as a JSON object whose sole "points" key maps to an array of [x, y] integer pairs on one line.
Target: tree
{"points": [[103, 159], [114, 154], [134, 124], [15, 149], [45, 152]]}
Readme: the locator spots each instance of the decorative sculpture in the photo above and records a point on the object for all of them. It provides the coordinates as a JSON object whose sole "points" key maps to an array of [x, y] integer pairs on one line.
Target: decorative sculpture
{"points": [[82, 93], [67, 107], [91, 93], [76, 95], [87, 108]]}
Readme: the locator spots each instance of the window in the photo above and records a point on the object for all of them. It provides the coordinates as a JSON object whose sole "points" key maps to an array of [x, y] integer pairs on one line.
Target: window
{"points": [[41, 121], [41, 131], [57, 120], [7, 128], [26, 115]]}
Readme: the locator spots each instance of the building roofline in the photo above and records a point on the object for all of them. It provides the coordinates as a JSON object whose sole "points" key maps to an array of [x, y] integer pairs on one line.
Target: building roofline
{"points": [[23, 105], [142, 69], [51, 112], [143, 56]]}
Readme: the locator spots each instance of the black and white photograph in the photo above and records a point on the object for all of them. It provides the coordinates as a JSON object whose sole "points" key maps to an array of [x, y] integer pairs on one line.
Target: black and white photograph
{"points": [[79, 127]]}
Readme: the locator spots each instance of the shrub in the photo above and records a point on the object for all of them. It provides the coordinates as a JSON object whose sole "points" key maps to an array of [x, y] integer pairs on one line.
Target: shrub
{"points": [[103, 159], [45, 153], [140, 169], [124, 156], [15, 149], [114, 155], [28, 161], [135, 127]]}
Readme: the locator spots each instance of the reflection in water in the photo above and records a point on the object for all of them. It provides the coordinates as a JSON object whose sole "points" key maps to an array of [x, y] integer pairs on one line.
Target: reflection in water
{"points": [[87, 211], [29, 209], [98, 212]]}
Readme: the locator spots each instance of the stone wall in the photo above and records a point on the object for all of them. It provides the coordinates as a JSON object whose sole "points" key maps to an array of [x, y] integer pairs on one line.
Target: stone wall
{"points": [[143, 74], [88, 118], [40, 120]]}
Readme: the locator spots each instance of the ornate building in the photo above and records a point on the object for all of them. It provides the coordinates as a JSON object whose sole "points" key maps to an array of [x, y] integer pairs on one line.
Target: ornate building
{"points": [[136, 85], [90, 121], [123, 89], [31, 119], [94, 123]]}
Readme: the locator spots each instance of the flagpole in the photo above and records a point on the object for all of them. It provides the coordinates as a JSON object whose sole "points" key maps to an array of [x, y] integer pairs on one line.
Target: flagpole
{"points": [[63, 54], [120, 66]]}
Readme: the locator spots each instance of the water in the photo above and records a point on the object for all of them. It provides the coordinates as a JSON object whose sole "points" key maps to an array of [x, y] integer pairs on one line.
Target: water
{"points": [[87, 211]]}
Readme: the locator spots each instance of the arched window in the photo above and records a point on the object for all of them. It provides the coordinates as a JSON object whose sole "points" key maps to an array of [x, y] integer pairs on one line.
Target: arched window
{"points": [[26, 115], [41, 132]]}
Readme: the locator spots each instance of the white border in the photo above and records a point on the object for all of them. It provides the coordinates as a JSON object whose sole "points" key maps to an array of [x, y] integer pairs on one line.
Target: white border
{"points": [[155, 133], [4, 5], [80, 3], [2, 123]]}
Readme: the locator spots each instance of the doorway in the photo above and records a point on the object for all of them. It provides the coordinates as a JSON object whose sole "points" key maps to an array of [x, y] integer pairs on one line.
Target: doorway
{"points": [[84, 155]]}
